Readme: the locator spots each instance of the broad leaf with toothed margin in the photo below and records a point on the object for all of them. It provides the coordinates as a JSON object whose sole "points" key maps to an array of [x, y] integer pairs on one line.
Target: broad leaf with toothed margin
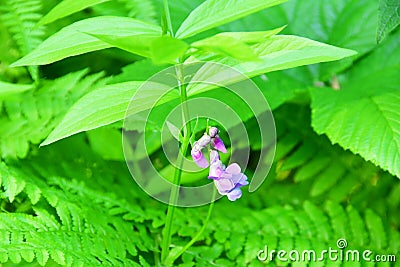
{"points": [[389, 17], [364, 115]]}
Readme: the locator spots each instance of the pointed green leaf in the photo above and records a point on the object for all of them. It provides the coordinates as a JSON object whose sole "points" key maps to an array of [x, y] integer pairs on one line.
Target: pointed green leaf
{"points": [[213, 13], [334, 22], [161, 49], [100, 107], [73, 40], [135, 44], [389, 17], [167, 49], [107, 105], [226, 46], [276, 53], [66, 8], [252, 37], [7, 89], [175, 132]]}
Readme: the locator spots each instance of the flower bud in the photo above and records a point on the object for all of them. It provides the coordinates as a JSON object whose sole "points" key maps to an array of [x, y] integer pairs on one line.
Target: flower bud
{"points": [[213, 131], [204, 141]]}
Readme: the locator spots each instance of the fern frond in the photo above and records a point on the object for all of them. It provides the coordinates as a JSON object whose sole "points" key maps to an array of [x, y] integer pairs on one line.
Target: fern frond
{"points": [[324, 171], [51, 209], [243, 232], [29, 238], [29, 117], [66, 221], [20, 17]]}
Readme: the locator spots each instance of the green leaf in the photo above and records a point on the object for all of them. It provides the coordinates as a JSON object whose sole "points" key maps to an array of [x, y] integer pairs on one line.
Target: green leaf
{"points": [[378, 239], [276, 53], [213, 13], [30, 116], [337, 23], [366, 124], [135, 44], [66, 8], [141, 70], [107, 105], [58, 256], [7, 89], [42, 256], [252, 37], [226, 46], [333, 22], [166, 49], [175, 132], [389, 17], [363, 115], [161, 49], [73, 40], [97, 108]]}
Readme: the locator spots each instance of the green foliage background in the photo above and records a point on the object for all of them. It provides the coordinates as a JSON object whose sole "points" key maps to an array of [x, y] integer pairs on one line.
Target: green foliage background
{"points": [[74, 202]]}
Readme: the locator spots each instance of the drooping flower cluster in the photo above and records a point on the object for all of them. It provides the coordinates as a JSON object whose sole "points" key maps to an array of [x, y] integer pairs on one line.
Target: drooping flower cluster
{"points": [[228, 180], [207, 139]]}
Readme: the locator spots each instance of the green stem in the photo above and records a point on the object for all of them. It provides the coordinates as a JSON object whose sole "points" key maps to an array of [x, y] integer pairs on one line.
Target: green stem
{"points": [[173, 199], [174, 196], [198, 235], [187, 129], [168, 17]]}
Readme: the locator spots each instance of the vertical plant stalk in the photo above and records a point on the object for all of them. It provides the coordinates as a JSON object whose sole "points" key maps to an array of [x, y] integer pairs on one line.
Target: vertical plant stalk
{"points": [[168, 17], [201, 231], [187, 134], [174, 196], [177, 179]]}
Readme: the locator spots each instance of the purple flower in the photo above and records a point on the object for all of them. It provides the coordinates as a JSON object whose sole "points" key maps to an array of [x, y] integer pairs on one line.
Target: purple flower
{"points": [[227, 180], [204, 141], [213, 131], [216, 168], [198, 156], [217, 143], [196, 153], [207, 139]]}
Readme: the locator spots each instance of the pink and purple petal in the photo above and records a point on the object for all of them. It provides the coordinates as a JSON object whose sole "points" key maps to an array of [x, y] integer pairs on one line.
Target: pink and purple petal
{"points": [[214, 157], [234, 168], [224, 186], [204, 141], [213, 131], [218, 144], [216, 167], [234, 194], [199, 158], [216, 171]]}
